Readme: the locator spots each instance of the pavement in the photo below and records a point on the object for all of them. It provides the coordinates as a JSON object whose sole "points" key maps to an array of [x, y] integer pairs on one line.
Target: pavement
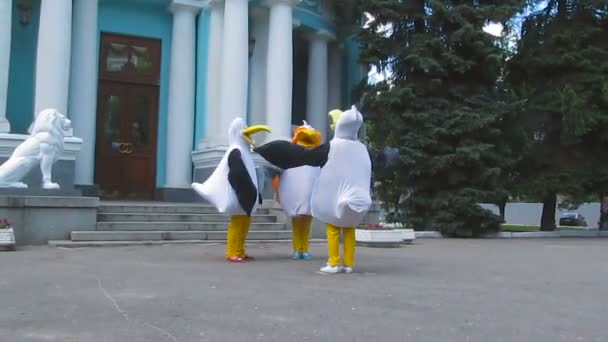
{"points": [[434, 290]]}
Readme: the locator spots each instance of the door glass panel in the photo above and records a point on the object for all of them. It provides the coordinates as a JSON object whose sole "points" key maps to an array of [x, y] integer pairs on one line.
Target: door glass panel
{"points": [[142, 59], [112, 122], [139, 126], [118, 57], [124, 57]]}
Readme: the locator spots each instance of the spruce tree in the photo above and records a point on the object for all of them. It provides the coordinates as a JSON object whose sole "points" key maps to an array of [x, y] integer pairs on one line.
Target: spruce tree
{"points": [[442, 106], [561, 71]]}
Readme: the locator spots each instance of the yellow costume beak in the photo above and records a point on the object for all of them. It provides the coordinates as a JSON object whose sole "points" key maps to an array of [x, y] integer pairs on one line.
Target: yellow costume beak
{"points": [[247, 132], [335, 116], [307, 137]]}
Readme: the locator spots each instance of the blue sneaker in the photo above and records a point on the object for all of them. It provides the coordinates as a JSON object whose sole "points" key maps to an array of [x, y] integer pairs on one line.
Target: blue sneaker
{"points": [[296, 256], [306, 256]]}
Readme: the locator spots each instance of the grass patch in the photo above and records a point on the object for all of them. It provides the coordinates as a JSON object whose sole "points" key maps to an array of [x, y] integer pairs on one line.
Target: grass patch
{"points": [[518, 228]]}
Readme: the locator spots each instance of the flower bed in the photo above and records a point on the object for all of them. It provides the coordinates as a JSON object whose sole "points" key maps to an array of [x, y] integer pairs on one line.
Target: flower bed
{"points": [[384, 234], [7, 234]]}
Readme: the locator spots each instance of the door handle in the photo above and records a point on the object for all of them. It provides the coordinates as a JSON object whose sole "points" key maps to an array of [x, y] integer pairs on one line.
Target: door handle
{"points": [[126, 148]]}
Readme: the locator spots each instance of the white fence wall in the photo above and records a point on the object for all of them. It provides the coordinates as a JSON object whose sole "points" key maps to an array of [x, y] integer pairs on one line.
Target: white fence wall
{"points": [[530, 213]]}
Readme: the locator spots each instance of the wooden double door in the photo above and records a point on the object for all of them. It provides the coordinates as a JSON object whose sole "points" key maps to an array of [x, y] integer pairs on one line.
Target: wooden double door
{"points": [[127, 117]]}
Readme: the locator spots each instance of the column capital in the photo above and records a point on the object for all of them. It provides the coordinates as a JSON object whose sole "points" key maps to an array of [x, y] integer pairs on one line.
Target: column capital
{"points": [[320, 35], [193, 6]]}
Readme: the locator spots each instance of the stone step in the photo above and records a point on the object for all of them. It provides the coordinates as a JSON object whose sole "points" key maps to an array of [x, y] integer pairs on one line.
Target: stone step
{"points": [[182, 226], [78, 236], [159, 217], [163, 208]]}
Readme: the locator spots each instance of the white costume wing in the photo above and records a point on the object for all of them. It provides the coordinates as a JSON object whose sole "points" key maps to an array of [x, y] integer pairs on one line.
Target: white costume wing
{"points": [[341, 195], [217, 190]]}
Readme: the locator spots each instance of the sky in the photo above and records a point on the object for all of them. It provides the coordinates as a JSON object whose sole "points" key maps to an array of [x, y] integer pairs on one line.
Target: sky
{"points": [[494, 29]]}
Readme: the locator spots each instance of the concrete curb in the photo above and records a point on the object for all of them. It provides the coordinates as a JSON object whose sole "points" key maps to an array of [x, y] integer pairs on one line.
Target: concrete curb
{"points": [[529, 235], [419, 235], [81, 244], [384, 244], [428, 235], [63, 202]]}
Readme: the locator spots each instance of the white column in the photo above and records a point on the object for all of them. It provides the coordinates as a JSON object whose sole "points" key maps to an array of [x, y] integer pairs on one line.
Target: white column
{"points": [[180, 124], [234, 66], [83, 86], [316, 91], [5, 46], [214, 73], [279, 74], [335, 78], [53, 56], [257, 70]]}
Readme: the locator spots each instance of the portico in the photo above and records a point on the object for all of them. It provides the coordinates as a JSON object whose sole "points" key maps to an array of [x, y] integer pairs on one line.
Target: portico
{"points": [[278, 30], [152, 86]]}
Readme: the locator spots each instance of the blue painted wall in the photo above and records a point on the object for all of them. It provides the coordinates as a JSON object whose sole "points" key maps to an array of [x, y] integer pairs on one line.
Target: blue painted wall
{"points": [[150, 21], [20, 106], [202, 52], [312, 20], [311, 5], [300, 80]]}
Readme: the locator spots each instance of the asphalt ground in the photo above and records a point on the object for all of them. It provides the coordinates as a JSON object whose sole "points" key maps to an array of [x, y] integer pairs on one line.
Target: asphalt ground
{"points": [[435, 290]]}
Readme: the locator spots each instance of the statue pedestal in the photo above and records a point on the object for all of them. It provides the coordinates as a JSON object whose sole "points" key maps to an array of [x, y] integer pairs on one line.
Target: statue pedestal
{"points": [[206, 159], [10, 141], [5, 126], [38, 219]]}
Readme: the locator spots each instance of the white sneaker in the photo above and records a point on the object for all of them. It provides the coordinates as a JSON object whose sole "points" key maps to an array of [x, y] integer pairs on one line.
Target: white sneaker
{"points": [[348, 270], [331, 269]]}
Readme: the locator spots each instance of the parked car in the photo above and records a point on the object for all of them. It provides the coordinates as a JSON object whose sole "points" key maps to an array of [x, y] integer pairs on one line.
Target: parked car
{"points": [[572, 219]]}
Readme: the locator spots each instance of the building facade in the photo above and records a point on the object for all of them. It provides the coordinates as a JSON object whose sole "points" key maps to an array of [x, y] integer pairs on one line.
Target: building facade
{"points": [[151, 85]]}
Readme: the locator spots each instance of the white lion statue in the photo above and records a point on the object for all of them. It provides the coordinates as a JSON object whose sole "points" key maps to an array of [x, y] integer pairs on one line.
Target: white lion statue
{"points": [[44, 146]]}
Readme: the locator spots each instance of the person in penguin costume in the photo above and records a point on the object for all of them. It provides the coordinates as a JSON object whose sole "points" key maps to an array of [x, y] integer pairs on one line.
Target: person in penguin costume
{"points": [[233, 187], [341, 195], [293, 189]]}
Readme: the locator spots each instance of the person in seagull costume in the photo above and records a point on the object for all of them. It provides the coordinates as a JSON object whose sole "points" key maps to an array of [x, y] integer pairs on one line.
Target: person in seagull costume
{"points": [[233, 187], [294, 190], [341, 195]]}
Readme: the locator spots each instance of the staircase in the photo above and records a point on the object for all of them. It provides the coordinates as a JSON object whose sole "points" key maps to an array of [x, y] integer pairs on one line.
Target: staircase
{"points": [[158, 221]]}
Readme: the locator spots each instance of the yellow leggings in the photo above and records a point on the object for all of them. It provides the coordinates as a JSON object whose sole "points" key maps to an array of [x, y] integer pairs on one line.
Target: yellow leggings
{"points": [[301, 232], [333, 245], [237, 233]]}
